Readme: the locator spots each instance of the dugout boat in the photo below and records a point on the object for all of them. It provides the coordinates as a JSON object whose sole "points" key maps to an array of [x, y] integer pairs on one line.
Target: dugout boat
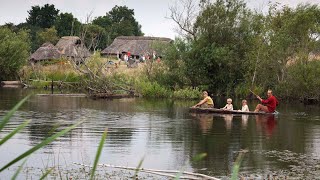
{"points": [[223, 111]]}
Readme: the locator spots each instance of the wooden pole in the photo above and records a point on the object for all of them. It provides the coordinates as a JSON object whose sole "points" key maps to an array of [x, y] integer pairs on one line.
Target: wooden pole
{"points": [[52, 87], [191, 175]]}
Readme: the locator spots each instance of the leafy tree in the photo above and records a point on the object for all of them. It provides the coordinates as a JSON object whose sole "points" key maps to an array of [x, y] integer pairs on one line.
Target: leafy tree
{"points": [[119, 21], [47, 35], [67, 25], [43, 17], [14, 51], [217, 55], [94, 37]]}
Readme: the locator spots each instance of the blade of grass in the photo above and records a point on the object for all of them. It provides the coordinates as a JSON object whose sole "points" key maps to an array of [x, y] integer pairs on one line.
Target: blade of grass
{"points": [[236, 166], [18, 170], [7, 117], [46, 174], [138, 168], [15, 131], [103, 138], [42, 144], [197, 158]]}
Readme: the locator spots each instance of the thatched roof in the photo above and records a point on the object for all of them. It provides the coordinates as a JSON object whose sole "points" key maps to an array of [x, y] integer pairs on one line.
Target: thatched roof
{"points": [[46, 52], [136, 45], [72, 46]]}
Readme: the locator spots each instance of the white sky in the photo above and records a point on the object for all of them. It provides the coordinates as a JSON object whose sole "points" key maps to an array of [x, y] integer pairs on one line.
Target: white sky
{"points": [[151, 14]]}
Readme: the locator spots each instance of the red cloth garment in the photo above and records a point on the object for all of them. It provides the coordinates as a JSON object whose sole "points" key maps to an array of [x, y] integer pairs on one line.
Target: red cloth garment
{"points": [[271, 103]]}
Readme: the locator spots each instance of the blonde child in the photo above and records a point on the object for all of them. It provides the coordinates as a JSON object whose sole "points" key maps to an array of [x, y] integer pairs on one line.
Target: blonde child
{"points": [[245, 107], [229, 105]]}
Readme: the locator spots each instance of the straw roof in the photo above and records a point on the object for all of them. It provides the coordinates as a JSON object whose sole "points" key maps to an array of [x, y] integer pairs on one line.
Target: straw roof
{"points": [[72, 46], [46, 52], [136, 45]]}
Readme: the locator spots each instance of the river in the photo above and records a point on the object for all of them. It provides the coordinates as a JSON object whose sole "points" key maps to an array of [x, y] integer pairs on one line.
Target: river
{"points": [[162, 133]]}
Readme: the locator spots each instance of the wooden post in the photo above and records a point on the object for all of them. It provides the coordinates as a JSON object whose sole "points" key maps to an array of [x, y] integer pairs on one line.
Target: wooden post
{"points": [[52, 87]]}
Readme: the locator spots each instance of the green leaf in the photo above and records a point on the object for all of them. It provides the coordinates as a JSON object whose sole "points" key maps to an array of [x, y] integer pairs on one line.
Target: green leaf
{"points": [[18, 170], [7, 117], [15, 131], [199, 157], [103, 138], [236, 166], [138, 167], [46, 173], [42, 144]]}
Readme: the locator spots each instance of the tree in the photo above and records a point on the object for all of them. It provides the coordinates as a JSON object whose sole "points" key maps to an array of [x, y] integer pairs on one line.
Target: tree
{"points": [[14, 51], [119, 21], [43, 17], [94, 36], [217, 54], [67, 25], [47, 35]]}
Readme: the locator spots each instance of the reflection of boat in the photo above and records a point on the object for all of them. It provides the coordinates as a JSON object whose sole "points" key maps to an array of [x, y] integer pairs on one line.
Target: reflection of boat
{"points": [[223, 111]]}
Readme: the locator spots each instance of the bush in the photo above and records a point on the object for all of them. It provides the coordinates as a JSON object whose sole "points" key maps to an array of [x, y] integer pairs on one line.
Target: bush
{"points": [[243, 90], [151, 89], [14, 52], [187, 93], [302, 81]]}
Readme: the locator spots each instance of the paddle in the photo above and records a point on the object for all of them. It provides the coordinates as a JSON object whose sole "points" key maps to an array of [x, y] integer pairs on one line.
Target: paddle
{"points": [[253, 92]]}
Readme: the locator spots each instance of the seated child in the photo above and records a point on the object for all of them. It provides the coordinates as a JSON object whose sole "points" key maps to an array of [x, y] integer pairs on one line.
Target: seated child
{"points": [[245, 107], [229, 105]]}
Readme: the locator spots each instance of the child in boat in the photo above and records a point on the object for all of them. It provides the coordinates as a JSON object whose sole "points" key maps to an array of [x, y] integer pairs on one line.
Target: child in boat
{"points": [[245, 107], [229, 105]]}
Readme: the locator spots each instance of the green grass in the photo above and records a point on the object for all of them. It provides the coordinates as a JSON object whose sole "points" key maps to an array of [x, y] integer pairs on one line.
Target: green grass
{"points": [[96, 160]]}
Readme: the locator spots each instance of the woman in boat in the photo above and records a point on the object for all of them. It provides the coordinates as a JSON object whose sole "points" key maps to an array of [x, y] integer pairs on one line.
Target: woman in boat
{"points": [[207, 102]]}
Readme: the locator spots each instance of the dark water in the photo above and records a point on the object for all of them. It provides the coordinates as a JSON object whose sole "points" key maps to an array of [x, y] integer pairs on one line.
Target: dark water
{"points": [[161, 131]]}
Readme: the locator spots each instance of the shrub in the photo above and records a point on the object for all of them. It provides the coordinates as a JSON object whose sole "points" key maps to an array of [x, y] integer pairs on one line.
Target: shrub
{"points": [[187, 93], [302, 81], [151, 89], [14, 51]]}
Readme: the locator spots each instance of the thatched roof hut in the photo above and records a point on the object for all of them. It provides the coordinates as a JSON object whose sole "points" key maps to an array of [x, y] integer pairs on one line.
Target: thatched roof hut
{"points": [[73, 47], [46, 52], [136, 45]]}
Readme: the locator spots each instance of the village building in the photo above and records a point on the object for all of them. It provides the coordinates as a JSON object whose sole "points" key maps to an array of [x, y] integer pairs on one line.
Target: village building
{"points": [[136, 46], [73, 48], [46, 52]]}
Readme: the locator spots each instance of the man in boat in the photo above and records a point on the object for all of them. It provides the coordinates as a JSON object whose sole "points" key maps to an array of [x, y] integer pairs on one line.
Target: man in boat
{"points": [[207, 102], [269, 105]]}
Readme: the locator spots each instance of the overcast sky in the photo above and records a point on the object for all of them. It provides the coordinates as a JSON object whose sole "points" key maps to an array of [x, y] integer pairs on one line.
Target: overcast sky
{"points": [[151, 14]]}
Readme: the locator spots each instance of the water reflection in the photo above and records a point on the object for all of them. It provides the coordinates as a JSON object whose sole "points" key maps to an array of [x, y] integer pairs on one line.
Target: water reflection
{"points": [[163, 131], [205, 121], [266, 123]]}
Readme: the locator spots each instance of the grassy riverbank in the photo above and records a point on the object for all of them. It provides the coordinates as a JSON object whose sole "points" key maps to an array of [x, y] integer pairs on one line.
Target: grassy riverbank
{"points": [[66, 77]]}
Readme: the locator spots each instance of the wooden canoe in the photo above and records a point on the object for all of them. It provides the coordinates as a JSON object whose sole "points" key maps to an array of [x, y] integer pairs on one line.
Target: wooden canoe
{"points": [[223, 111]]}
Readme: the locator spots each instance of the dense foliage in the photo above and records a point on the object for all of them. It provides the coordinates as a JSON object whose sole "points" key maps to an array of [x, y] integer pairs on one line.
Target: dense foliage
{"points": [[14, 51], [232, 49], [47, 24]]}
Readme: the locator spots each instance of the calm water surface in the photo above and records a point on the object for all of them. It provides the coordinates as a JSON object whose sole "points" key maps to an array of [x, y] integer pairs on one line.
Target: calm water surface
{"points": [[161, 131]]}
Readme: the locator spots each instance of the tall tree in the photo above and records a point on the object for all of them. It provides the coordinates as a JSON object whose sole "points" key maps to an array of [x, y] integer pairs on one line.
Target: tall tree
{"points": [[120, 21], [67, 25], [47, 35], [43, 17]]}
